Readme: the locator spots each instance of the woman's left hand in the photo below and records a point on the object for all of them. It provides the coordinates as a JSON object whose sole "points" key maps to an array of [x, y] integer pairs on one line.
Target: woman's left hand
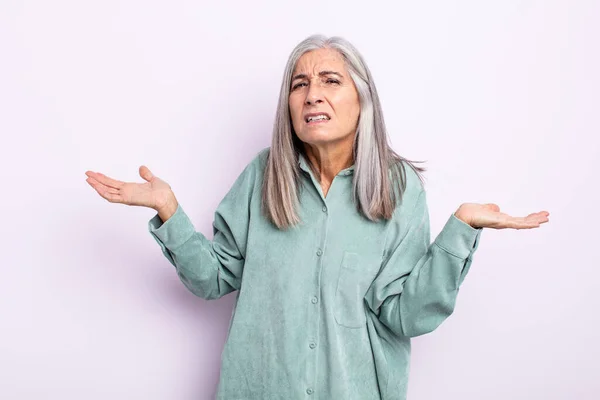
{"points": [[489, 216]]}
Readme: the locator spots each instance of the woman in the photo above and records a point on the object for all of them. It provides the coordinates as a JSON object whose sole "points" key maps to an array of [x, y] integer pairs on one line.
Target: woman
{"points": [[325, 235]]}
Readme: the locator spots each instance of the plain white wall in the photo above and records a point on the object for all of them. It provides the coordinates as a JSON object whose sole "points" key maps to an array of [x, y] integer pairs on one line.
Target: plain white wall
{"points": [[501, 98]]}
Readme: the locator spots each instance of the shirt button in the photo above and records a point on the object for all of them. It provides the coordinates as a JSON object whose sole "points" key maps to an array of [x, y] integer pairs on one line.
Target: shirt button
{"points": [[319, 252], [314, 300], [309, 391], [324, 209], [312, 345]]}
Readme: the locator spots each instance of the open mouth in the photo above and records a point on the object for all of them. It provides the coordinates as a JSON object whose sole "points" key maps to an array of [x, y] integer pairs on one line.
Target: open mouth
{"points": [[317, 119]]}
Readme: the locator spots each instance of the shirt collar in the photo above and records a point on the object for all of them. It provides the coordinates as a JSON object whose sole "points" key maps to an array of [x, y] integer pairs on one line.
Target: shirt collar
{"points": [[303, 163]]}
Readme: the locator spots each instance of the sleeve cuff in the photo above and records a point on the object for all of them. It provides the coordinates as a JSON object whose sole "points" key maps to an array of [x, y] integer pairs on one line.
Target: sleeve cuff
{"points": [[173, 232], [458, 238]]}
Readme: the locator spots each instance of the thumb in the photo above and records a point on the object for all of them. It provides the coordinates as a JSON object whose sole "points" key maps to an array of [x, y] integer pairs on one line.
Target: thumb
{"points": [[492, 206], [145, 173]]}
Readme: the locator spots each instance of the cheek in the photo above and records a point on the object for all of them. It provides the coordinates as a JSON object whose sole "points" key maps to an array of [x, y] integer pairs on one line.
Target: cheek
{"points": [[293, 111], [351, 111], [346, 103], [355, 107]]}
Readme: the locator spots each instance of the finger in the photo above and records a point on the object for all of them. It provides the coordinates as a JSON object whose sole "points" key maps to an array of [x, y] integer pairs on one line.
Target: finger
{"points": [[522, 223], [107, 181], [106, 192], [107, 188], [145, 173], [540, 217], [531, 221], [113, 198], [102, 186]]}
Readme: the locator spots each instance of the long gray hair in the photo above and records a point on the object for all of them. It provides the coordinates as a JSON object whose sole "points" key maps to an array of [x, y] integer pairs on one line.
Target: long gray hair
{"points": [[374, 159]]}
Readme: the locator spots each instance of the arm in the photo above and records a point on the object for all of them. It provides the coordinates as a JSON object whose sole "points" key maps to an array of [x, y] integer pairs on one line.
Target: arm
{"points": [[209, 269], [416, 288]]}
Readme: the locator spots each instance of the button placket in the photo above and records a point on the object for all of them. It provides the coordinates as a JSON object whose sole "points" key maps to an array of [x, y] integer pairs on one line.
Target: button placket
{"points": [[313, 322]]}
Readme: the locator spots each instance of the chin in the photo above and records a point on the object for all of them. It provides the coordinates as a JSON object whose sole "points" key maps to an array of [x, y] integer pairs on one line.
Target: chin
{"points": [[316, 137], [321, 139]]}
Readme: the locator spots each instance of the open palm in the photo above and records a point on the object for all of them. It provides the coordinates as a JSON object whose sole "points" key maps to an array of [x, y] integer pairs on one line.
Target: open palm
{"points": [[489, 216], [155, 193]]}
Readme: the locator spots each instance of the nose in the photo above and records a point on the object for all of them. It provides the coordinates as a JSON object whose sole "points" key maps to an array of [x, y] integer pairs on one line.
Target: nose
{"points": [[313, 96]]}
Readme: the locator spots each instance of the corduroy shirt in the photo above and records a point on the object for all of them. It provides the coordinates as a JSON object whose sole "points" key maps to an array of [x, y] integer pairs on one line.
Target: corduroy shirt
{"points": [[326, 309]]}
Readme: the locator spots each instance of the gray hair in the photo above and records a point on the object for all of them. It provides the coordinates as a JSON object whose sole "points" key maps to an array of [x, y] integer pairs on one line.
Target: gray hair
{"points": [[374, 159]]}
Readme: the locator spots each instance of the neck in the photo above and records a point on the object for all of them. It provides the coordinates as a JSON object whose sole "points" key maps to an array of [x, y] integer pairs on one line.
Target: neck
{"points": [[328, 161]]}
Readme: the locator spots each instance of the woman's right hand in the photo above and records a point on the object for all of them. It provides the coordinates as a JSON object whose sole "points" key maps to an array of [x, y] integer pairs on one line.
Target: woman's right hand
{"points": [[155, 193]]}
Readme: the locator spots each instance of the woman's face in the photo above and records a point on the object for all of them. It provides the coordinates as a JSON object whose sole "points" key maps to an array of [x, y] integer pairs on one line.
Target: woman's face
{"points": [[321, 84]]}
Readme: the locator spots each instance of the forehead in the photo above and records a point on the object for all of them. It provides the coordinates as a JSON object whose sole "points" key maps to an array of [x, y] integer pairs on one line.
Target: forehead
{"points": [[314, 61]]}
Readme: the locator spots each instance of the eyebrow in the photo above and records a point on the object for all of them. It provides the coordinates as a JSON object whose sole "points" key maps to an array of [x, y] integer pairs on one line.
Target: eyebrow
{"points": [[322, 73]]}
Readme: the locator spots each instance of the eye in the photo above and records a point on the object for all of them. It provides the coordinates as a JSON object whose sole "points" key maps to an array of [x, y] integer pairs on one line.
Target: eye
{"points": [[298, 85], [329, 80]]}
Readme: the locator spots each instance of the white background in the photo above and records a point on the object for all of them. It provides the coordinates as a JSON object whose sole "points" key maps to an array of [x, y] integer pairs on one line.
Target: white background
{"points": [[501, 98]]}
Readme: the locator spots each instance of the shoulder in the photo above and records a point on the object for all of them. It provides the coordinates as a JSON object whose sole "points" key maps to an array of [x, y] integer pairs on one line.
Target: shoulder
{"points": [[412, 177], [257, 164], [249, 179], [409, 187], [261, 158]]}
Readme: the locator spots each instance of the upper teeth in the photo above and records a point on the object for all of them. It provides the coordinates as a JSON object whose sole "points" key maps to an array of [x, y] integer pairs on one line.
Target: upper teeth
{"points": [[317, 117]]}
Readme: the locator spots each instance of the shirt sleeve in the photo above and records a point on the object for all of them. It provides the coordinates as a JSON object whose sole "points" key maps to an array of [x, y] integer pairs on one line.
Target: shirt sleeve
{"points": [[210, 268], [417, 286]]}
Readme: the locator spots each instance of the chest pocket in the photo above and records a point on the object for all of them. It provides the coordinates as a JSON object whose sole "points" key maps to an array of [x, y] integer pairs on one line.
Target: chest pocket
{"points": [[353, 282]]}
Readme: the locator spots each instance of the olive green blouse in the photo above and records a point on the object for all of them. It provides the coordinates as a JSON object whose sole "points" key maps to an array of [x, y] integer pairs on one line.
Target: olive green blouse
{"points": [[326, 309]]}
